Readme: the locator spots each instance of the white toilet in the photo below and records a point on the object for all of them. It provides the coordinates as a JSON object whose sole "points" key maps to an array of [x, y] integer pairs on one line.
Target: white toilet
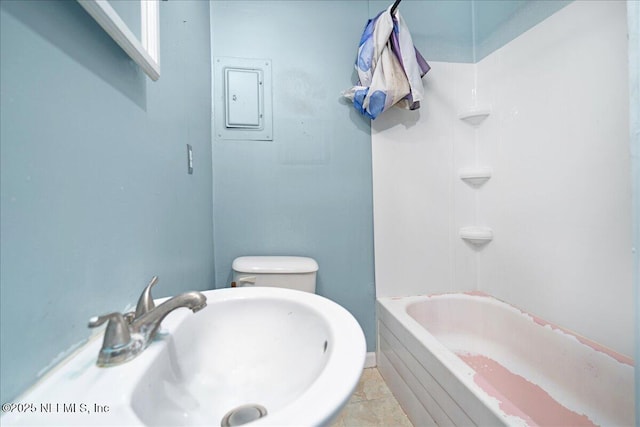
{"points": [[290, 272]]}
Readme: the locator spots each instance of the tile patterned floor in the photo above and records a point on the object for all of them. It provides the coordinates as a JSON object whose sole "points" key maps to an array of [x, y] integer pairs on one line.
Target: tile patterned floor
{"points": [[372, 405]]}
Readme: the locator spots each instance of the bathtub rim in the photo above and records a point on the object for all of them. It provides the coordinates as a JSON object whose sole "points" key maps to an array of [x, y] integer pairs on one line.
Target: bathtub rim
{"points": [[406, 301]]}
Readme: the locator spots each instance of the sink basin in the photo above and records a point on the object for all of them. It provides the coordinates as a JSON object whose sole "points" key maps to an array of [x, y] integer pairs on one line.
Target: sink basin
{"points": [[254, 356]]}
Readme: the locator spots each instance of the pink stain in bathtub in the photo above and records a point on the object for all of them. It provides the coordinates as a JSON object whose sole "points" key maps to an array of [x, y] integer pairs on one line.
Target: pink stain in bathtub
{"points": [[477, 294], [621, 358], [525, 399]]}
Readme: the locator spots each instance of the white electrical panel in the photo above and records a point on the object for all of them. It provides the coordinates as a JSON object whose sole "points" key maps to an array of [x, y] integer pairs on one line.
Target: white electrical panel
{"points": [[242, 99], [243, 106]]}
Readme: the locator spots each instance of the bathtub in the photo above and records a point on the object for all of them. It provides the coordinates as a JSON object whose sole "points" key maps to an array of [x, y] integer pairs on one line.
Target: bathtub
{"points": [[469, 359]]}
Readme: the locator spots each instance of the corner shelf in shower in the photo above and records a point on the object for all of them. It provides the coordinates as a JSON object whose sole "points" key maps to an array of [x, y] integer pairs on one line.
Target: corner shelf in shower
{"points": [[475, 116], [476, 235], [475, 177]]}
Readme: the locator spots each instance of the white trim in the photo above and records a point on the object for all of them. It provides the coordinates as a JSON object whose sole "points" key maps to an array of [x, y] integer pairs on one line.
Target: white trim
{"points": [[150, 28], [144, 54], [370, 360]]}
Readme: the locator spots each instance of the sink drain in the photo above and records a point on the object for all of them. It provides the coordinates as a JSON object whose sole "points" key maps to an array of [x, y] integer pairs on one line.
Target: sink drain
{"points": [[243, 414]]}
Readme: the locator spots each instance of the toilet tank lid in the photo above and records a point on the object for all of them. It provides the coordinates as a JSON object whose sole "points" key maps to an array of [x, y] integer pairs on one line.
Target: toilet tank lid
{"points": [[274, 264]]}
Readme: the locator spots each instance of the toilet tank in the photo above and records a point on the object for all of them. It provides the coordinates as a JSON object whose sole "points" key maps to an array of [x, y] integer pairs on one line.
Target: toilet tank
{"points": [[290, 272]]}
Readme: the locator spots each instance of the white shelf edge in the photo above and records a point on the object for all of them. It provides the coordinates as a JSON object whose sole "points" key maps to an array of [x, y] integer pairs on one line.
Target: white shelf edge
{"points": [[475, 116], [476, 235], [475, 176]]}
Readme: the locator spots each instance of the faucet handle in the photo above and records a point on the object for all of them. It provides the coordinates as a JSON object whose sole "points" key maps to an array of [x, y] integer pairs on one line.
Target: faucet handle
{"points": [[117, 333], [129, 317], [145, 302]]}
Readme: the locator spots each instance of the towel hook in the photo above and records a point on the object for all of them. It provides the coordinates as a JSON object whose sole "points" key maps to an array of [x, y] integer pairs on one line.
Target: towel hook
{"points": [[395, 6]]}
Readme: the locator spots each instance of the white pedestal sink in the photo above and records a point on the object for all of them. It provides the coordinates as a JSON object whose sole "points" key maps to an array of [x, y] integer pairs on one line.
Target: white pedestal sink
{"points": [[294, 355]]}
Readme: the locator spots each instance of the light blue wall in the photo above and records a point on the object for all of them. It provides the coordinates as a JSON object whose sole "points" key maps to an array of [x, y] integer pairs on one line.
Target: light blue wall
{"points": [[497, 22], [308, 192], [441, 30], [467, 31], [95, 196], [633, 16]]}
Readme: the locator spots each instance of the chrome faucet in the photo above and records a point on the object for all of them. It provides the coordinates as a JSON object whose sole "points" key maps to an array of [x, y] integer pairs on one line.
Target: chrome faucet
{"points": [[148, 323], [128, 335]]}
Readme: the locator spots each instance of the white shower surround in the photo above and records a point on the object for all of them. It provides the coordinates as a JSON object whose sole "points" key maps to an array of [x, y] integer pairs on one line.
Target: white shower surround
{"points": [[559, 199]]}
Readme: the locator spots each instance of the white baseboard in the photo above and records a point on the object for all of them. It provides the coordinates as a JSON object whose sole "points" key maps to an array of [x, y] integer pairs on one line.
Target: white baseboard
{"points": [[370, 360]]}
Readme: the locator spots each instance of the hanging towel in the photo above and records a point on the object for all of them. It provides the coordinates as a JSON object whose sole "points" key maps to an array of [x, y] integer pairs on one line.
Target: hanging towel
{"points": [[389, 67]]}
